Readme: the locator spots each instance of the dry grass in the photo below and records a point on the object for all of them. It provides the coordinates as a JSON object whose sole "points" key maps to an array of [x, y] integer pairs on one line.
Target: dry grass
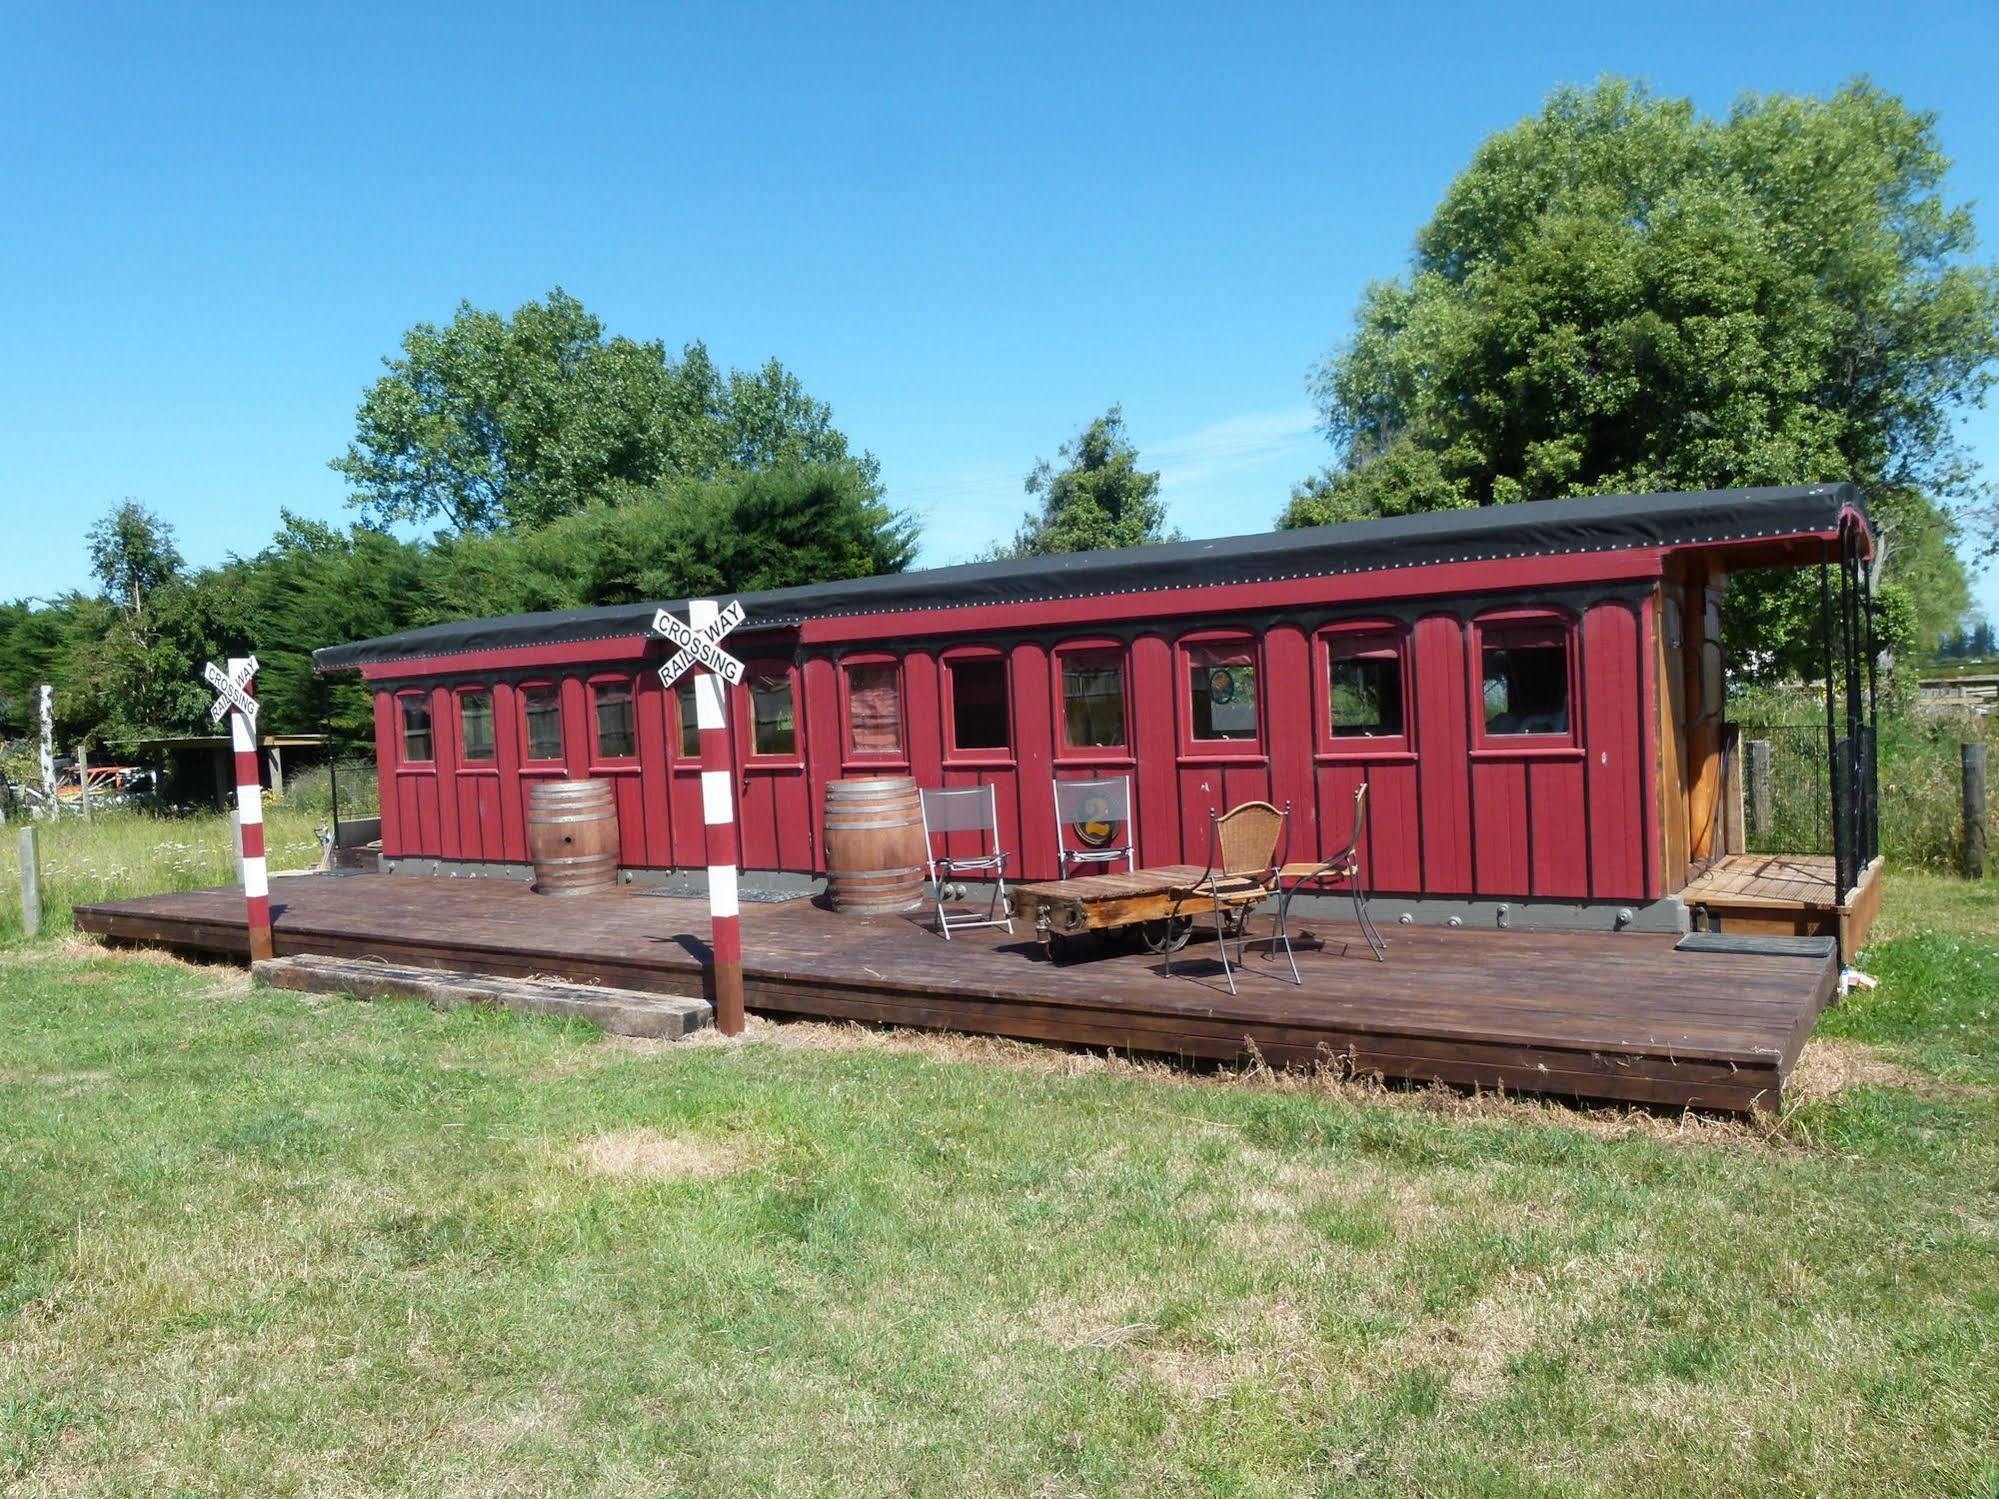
{"points": [[648, 1155]]}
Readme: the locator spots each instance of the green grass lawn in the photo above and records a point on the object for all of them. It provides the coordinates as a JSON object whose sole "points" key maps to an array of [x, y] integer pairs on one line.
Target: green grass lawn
{"points": [[123, 852], [254, 1242]]}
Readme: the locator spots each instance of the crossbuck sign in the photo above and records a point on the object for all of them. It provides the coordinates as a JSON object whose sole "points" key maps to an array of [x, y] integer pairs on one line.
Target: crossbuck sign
{"points": [[700, 645], [231, 685]]}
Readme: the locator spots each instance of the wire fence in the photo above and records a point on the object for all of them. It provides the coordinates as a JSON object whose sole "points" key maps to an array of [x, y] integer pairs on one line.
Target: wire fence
{"points": [[1786, 805], [1789, 810], [348, 782]]}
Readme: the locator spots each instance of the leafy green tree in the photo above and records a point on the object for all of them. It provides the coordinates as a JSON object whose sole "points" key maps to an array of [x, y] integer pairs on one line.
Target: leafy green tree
{"points": [[132, 553], [1099, 498], [1620, 294], [491, 422]]}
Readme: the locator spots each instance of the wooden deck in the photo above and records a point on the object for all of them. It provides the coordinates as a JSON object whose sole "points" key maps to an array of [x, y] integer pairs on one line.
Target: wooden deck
{"points": [[1585, 1015], [1787, 894]]}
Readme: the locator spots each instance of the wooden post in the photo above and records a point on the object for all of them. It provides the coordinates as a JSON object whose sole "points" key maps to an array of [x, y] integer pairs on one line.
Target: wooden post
{"points": [[1760, 803], [250, 813], [718, 816], [48, 714], [31, 882], [83, 780], [1971, 759]]}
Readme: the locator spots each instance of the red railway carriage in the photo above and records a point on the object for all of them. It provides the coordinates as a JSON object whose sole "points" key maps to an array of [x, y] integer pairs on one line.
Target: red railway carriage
{"points": [[1533, 694]]}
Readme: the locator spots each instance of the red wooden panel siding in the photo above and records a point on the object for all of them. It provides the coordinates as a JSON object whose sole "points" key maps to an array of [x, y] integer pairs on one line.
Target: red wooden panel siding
{"points": [[822, 729], [1499, 827], [1558, 829], [445, 838], [651, 707], [387, 782], [1289, 696], [1149, 683], [1393, 840], [508, 752], [1619, 752], [1444, 819], [1034, 757], [1443, 755]]}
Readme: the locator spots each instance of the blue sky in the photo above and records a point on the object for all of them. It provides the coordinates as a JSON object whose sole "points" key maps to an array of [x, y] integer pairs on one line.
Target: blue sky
{"points": [[970, 230]]}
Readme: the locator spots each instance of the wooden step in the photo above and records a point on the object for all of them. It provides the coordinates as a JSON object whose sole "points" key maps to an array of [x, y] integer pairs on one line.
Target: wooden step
{"points": [[621, 1012]]}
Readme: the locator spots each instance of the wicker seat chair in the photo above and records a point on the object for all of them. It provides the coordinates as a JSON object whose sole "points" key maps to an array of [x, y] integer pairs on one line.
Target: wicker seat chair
{"points": [[1344, 865], [1242, 873]]}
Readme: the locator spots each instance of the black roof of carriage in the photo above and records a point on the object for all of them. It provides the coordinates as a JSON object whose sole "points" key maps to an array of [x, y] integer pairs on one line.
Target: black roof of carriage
{"points": [[1597, 523]]}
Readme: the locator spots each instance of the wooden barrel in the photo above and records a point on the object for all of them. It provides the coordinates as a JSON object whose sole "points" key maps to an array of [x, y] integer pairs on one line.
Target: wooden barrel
{"points": [[874, 845], [573, 837]]}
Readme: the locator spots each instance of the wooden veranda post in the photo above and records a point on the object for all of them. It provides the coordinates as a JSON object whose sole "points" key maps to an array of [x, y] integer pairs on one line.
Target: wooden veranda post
{"points": [[235, 702], [1971, 761], [715, 670]]}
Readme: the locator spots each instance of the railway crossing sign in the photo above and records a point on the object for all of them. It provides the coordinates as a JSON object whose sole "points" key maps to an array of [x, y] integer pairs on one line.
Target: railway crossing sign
{"points": [[700, 642], [234, 702], [700, 645], [231, 688]]}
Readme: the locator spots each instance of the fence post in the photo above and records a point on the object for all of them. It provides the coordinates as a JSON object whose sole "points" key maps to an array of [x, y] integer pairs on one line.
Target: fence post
{"points": [[1760, 812], [31, 881], [1971, 759], [83, 780], [47, 712]]}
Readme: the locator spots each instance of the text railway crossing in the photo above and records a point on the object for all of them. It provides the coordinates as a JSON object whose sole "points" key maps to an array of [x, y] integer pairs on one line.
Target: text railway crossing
{"points": [[699, 642], [235, 702]]}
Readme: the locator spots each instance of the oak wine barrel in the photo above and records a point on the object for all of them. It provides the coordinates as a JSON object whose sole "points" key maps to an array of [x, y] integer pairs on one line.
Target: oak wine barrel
{"points": [[573, 837], [874, 845]]}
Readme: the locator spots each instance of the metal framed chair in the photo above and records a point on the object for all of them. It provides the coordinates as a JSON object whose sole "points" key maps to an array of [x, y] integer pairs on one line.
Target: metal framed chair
{"points": [[964, 809], [1344, 865], [1241, 874], [1104, 803]]}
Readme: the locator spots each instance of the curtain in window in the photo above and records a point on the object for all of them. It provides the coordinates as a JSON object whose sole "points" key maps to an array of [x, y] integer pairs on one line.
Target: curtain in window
{"points": [[874, 710]]}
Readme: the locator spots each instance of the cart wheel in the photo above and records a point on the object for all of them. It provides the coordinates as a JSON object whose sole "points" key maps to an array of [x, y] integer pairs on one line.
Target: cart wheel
{"points": [[1010, 908], [1168, 934]]}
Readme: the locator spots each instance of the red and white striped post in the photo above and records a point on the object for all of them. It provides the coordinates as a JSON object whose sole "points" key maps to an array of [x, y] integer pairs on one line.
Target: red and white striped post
{"points": [[236, 701], [715, 670], [718, 816]]}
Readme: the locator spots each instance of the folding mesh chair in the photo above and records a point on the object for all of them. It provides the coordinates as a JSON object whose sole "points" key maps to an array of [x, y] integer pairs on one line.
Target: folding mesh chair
{"points": [[1096, 814], [964, 809]]}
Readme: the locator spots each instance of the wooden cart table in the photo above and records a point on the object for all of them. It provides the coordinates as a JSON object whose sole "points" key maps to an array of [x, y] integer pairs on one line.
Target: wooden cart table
{"points": [[1144, 899]]}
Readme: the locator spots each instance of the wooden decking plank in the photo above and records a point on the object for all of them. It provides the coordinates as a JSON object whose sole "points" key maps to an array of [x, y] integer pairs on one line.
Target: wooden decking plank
{"points": [[1575, 1013]]}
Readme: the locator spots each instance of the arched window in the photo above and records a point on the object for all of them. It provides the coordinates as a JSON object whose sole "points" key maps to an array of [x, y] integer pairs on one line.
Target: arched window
{"points": [[1524, 679], [1221, 692], [772, 690], [871, 704], [475, 726], [541, 722], [614, 720], [419, 747], [1364, 698], [1090, 699], [978, 706]]}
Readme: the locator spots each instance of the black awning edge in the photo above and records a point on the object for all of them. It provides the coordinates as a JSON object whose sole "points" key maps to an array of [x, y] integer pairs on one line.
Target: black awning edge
{"points": [[1596, 523]]}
